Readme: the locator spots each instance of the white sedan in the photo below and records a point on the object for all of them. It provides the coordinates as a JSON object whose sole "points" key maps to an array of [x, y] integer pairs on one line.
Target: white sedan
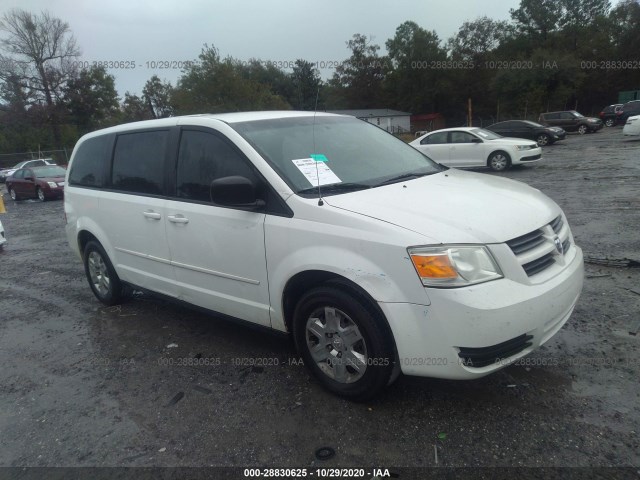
{"points": [[632, 127], [476, 147]]}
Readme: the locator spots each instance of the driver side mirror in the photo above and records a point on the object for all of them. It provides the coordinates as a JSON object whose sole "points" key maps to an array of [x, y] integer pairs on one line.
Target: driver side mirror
{"points": [[235, 191], [476, 140]]}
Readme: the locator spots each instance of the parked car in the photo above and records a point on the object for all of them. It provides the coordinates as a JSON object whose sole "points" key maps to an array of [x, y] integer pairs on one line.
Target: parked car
{"points": [[376, 259], [531, 130], [629, 109], [571, 121], [41, 162], [476, 147], [632, 127], [43, 183], [608, 114], [3, 240]]}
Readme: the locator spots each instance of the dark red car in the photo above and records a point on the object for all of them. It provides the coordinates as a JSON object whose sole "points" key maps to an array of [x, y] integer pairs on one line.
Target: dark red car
{"points": [[43, 183]]}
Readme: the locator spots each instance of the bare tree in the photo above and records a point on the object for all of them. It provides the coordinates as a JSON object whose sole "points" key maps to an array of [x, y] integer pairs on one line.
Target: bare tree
{"points": [[39, 51]]}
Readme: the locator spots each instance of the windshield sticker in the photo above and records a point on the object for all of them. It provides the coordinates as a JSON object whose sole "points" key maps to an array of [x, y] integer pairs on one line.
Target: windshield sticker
{"points": [[318, 157], [316, 171]]}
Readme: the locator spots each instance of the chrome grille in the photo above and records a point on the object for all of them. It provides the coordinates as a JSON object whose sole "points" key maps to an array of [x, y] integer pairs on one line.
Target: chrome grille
{"points": [[526, 242], [536, 251], [539, 264], [557, 224]]}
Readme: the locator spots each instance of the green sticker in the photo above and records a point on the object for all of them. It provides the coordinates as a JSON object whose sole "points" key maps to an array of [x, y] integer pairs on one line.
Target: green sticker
{"points": [[318, 157]]}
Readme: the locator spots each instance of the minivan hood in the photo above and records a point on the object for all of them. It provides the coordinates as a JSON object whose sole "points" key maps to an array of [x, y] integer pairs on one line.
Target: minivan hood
{"points": [[455, 206]]}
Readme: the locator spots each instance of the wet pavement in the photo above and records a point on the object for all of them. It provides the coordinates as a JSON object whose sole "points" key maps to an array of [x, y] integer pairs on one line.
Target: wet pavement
{"points": [[150, 383]]}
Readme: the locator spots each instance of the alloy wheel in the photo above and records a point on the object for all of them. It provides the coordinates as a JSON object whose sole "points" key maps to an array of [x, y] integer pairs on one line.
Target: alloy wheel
{"points": [[99, 273], [336, 345]]}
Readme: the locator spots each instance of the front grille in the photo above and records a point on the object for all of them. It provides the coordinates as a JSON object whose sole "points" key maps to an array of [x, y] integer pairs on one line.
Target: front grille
{"points": [[481, 357], [539, 264], [536, 251], [557, 224], [526, 242]]}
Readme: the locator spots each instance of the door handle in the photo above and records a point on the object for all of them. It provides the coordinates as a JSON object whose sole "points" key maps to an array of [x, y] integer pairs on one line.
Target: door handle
{"points": [[151, 214], [178, 218]]}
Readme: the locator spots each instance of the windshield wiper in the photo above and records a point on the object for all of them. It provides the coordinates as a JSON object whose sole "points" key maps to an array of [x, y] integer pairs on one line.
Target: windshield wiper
{"points": [[404, 176], [336, 187]]}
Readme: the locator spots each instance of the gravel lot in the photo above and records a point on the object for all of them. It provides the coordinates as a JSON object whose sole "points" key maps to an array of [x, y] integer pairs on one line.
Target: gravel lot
{"points": [[85, 385]]}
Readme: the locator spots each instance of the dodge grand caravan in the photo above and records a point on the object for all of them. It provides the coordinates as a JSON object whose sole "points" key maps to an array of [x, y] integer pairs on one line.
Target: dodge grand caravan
{"points": [[376, 259]]}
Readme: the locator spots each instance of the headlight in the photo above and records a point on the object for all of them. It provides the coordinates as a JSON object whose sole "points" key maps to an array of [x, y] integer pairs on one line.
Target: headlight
{"points": [[454, 266], [52, 184]]}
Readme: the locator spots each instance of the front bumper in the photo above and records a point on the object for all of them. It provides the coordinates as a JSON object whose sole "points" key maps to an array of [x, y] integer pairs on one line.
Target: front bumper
{"points": [[503, 318], [57, 192], [531, 158]]}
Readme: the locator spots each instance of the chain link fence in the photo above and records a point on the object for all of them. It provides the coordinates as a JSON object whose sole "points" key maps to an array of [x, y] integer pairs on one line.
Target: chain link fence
{"points": [[61, 157]]}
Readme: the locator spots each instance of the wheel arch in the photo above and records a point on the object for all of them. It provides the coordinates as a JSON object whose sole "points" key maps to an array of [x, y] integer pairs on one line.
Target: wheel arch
{"points": [[304, 281], [84, 237]]}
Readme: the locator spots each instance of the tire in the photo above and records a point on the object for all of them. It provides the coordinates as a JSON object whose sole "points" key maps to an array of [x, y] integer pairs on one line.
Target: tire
{"points": [[582, 129], [40, 194], [344, 342], [499, 161], [13, 195], [102, 277], [543, 139], [609, 122]]}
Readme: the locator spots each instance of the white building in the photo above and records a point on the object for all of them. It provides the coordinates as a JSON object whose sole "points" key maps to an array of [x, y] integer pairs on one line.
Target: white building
{"points": [[392, 121]]}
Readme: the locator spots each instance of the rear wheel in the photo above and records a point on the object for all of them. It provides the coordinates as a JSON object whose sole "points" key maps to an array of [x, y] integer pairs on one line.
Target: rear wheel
{"points": [[13, 195], [609, 122], [102, 277], [499, 161], [343, 342], [40, 194], [582, 129]]}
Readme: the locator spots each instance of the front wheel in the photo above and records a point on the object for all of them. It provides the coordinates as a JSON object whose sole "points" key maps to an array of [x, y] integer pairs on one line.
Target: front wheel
{"points": [[609, 122], [102, 277], [499, 161], [543, 139], [344, 342], [40, 194], [582, 129]]}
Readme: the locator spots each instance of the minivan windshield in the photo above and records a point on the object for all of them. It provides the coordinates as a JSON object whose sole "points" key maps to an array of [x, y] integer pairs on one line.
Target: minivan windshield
{"points": [[340, 153]]}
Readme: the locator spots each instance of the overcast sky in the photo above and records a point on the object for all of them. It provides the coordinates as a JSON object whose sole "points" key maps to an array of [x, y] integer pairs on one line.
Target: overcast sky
{"points": [[141, 31]]}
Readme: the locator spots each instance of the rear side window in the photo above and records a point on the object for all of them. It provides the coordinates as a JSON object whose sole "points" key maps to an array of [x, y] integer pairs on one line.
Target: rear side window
{"points": [[203, 158], [461, 137], [138, 162], [88, 164], [435, 139]]}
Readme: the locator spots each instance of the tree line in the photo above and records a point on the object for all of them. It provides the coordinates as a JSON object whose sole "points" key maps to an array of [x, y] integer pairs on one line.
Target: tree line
{"points": [[552, 54]]}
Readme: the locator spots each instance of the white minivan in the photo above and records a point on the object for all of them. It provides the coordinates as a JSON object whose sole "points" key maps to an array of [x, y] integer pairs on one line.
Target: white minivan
{"points": [[375, 258]]}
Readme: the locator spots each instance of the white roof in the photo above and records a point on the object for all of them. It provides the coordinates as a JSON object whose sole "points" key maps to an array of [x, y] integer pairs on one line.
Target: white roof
{"points": [[222, 117]]}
